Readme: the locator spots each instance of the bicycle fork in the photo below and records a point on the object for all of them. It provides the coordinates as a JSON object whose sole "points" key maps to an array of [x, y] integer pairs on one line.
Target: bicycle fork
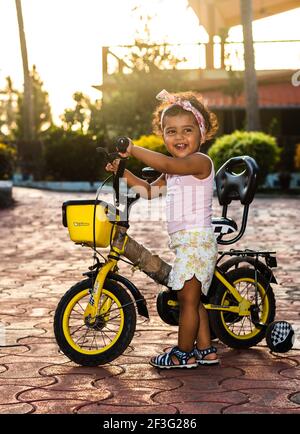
{"points": [[117, 249]]}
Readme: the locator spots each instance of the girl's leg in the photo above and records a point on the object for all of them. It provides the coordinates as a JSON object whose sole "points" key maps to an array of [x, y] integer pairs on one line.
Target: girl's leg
{"points": [[203, 336], [189, 299]]}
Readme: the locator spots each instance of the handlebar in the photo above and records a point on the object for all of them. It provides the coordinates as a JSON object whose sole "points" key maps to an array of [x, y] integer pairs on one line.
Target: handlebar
{"points": [[121, 146]]}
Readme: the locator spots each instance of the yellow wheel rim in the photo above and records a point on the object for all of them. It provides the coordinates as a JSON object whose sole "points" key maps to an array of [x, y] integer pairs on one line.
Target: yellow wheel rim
{"points": [[244, 328], [87, 340]]}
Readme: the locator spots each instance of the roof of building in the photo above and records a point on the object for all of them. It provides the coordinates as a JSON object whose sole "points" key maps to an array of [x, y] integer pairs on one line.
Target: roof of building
{"points": [[275, 87], [226, 13], [273, 95]]}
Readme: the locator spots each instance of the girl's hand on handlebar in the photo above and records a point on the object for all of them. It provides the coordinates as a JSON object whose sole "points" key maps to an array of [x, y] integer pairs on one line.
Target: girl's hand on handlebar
{"points": [[113, 167], [128, 150]]}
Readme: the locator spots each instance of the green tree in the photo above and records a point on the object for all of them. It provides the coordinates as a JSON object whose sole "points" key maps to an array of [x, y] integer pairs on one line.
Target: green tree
{"points": [[128, 110], [30, 152], [96, 122], [42, 118], [146, 55], [9, 110], [79, 116], [234, 88], [129, 96], [86, 116]]}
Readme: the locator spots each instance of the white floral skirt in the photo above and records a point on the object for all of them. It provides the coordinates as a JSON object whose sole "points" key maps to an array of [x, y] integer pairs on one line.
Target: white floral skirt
{"points": [[196, 253]]}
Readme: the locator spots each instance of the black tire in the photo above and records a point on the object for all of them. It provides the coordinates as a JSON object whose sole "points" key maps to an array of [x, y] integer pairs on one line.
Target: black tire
{"points": [[126, 314], [239, 331], [169, 313]]}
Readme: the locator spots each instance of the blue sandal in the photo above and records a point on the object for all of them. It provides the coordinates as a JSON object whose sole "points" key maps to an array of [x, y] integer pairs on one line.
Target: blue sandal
{"points": [[164, 361], [201, 354]]}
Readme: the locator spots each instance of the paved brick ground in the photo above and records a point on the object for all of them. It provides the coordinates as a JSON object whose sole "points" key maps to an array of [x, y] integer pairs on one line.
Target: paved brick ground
{"points": [[39, 263]]}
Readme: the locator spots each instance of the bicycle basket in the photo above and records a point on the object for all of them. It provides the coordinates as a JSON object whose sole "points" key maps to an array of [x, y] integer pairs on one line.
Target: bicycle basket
{"points": [[78, 216]]}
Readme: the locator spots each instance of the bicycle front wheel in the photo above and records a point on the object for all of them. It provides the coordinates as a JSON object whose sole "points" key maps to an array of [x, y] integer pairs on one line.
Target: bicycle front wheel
{"points": [[240, 331], [108, 337]]}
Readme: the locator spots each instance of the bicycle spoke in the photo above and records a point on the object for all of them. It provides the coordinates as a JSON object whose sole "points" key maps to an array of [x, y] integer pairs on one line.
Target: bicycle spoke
{"points": [[82, 337], [94, 339], [78, 328], [106, 335], [105, 329], [242, 326], [103, 339], [78, 313]]}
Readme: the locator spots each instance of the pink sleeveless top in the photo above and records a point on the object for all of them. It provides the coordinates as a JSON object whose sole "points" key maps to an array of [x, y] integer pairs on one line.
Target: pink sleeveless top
{"points": [[189, 201]]}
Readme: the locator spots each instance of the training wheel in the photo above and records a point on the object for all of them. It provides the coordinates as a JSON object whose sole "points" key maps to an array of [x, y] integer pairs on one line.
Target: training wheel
{"points": [[280, 336]]}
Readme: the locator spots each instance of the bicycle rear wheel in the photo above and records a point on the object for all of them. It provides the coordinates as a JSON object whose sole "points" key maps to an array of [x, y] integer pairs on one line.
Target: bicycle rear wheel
{"points": [[108, 337], [240, 331]]}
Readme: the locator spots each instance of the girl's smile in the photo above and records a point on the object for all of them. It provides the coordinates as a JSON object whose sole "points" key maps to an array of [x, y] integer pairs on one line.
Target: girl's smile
{"points": [[181, 134]]}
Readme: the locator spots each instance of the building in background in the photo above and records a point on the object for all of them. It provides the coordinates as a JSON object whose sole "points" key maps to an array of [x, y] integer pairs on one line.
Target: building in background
{"points": [[219, 73]]}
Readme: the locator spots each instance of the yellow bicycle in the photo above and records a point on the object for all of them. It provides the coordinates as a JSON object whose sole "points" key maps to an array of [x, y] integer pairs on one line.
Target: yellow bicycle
{"points": [[95, 320]]}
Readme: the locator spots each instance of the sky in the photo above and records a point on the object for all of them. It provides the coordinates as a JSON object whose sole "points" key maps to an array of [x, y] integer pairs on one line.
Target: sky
{"points": [[64, 39]]}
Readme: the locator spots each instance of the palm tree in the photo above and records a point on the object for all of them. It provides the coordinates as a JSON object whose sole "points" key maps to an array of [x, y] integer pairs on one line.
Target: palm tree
{"points": [[28, 101], [252, 109]]}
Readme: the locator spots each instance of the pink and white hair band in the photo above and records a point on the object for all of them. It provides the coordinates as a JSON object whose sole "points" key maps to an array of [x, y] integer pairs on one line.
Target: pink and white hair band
{"points": [[186, 105]]}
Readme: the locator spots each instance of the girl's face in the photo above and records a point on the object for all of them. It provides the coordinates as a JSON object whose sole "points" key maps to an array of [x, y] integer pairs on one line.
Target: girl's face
{"points": [[181, 134]]}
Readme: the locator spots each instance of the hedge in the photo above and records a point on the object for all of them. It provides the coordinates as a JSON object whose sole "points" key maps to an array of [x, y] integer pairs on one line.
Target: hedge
{"points": [[8, 157]]}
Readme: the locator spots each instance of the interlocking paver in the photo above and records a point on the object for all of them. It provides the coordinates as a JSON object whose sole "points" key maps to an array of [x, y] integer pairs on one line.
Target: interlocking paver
{"points": [[9, 393], [20, 408], [291, 373], [250, 408], [87, 394], [200, 407], [56, 406], [39, 263], [70, 369], [125, 409], [186, 394], [273, 398]]}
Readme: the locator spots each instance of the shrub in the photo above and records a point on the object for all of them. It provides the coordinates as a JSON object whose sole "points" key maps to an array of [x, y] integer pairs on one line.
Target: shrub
{"points": [[71, 156], [152, 142], [297, 157], [7, 161], [260, 146]]}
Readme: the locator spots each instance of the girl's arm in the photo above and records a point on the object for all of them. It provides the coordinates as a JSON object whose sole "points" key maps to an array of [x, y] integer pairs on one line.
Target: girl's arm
{"points": [[195, 164], [146, 190]]}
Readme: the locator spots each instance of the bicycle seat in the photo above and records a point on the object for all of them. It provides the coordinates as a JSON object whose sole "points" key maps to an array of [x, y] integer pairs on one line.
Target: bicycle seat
{"points": [[234, 184], [235, 180], [150, 174]]}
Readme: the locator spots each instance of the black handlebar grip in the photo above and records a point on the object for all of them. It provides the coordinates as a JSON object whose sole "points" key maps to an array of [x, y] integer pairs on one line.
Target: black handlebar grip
{"points": [[122, 144]]}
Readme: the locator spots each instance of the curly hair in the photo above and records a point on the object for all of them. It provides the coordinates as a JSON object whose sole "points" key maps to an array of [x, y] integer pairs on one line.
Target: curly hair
{"points": [[196, 99]]}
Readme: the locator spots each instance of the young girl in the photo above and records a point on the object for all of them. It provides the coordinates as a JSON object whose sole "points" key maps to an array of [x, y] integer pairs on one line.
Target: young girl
{"points": [[185, 124]]}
